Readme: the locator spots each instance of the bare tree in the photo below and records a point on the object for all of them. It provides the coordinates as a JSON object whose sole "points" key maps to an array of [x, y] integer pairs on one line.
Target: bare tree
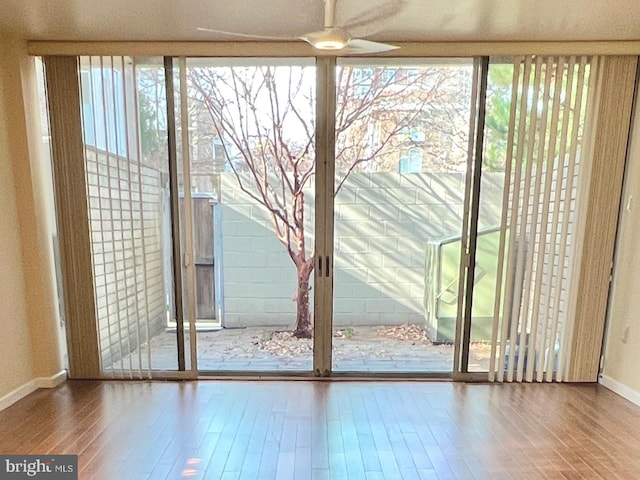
{"points": [[265, 119]]}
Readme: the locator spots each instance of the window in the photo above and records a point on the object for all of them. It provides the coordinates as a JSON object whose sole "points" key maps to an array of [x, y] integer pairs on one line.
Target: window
{"points": [[389, 75], [219, 155], [103, 98], [414, 132], [412, 75], [411, 163], [362, 81]]}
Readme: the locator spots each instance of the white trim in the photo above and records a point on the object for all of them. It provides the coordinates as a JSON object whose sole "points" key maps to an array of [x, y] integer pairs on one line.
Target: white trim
{"points": [[52, 381], [17, 394], [621, 389], [302, 49], [30, 387]]}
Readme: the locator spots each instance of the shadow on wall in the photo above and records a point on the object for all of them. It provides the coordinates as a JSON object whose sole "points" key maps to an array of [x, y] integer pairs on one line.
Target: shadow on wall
{"points": [[382, 224]]}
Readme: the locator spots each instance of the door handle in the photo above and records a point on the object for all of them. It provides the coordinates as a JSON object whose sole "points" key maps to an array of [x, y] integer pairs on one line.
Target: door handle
{"points": [[327, 265]]}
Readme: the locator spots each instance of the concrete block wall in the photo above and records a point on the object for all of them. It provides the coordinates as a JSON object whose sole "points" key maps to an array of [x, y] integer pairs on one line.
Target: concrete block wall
{"points": [[258, 274], [382, 224], [127, 244]]}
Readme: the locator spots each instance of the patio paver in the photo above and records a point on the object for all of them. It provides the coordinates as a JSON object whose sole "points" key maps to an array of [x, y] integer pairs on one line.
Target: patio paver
{"points": [[249, 349]]}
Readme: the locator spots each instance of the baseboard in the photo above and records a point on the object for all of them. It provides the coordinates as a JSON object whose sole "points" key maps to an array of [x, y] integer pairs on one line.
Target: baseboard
{"points": [[18, 394], [30, 387], [622, 390], [52, 381]]}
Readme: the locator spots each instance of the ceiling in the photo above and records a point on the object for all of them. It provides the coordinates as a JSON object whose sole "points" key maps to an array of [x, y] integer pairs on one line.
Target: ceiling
{"points": [[384, 20]]}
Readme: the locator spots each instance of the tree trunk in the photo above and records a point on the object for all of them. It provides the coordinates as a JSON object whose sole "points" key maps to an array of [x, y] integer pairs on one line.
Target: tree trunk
{"points": [[303, 318]]}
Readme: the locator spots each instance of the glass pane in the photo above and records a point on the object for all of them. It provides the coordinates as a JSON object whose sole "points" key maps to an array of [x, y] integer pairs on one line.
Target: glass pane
{"points": [[128, 194], [251, 136], [497, 120], [401, 153], [536, 112]]}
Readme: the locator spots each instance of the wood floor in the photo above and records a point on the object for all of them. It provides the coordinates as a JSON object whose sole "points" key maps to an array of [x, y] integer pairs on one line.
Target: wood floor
{"points": [[348, 430]]}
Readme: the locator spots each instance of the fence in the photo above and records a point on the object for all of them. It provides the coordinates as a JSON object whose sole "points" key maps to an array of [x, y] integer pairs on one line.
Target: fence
{"points": [[383, 222], [126, 222]]}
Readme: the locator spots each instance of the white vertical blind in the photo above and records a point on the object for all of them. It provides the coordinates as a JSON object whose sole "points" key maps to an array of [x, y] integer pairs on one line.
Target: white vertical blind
{"points": [[537, 246]]}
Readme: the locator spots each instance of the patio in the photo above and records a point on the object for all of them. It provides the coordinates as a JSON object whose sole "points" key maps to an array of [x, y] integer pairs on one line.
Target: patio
{"points": [[402, 348]]}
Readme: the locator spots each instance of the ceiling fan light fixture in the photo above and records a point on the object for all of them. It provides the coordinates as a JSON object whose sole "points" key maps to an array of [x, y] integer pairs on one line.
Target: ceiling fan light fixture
{"points": [[329, 44], [330, 39]]}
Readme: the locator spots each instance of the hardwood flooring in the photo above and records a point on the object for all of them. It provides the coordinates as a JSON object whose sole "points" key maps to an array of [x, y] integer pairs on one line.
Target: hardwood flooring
{"points": [[329, 430]]}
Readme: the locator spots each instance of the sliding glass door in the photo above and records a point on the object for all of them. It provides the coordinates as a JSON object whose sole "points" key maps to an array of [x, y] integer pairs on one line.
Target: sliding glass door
{"points": [[251, 126], [401, 155], [319, 216], [535, 175], [126, 161]]}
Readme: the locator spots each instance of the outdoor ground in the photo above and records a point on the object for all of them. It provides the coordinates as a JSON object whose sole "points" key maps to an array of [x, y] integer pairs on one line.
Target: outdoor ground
{"points": [[402, 348]]}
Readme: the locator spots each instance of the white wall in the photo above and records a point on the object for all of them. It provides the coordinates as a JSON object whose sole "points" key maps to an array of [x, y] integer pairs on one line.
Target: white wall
{"points": [[15, 344], [29, 317], [622, 351]]}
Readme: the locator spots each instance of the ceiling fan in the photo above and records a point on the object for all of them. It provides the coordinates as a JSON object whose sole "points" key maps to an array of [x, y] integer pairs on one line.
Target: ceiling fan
{"points": [[330, 38]]}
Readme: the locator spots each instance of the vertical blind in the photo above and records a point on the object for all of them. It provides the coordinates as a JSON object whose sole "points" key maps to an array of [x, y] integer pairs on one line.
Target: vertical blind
{"points": [[126, 191], [545, 171]]}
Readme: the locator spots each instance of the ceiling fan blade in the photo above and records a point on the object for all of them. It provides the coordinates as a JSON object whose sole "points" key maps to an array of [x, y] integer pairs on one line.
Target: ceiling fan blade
{"points": [[243, 35], [312, 36], [358, 46]]}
